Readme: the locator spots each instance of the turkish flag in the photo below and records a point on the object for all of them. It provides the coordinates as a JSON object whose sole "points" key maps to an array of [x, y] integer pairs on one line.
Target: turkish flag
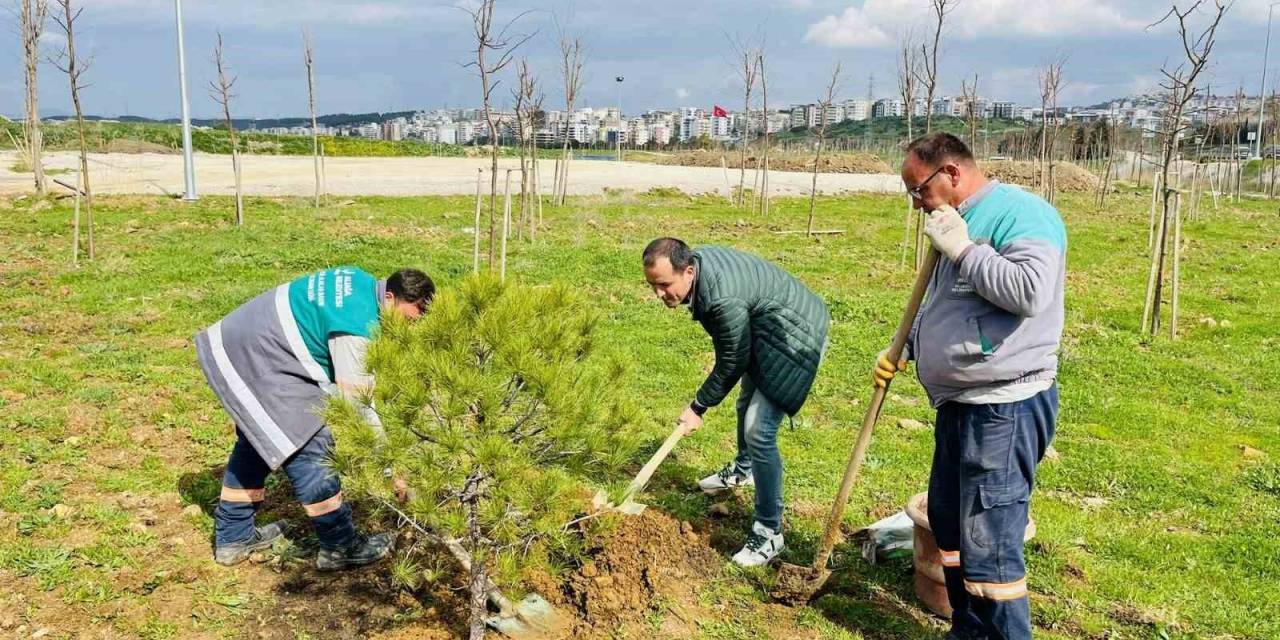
{"points": [[718, 111]]}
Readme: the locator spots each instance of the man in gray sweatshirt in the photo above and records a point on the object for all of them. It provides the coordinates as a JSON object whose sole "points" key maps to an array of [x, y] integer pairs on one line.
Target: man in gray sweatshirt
{"points": [[985, 343]]}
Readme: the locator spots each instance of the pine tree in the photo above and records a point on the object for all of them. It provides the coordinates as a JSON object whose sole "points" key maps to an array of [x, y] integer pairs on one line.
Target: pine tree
{"points": [[498, 408]]}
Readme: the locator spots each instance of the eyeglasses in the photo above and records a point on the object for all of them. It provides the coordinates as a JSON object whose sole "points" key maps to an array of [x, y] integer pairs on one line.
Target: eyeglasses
{"points": [[918, 191]]}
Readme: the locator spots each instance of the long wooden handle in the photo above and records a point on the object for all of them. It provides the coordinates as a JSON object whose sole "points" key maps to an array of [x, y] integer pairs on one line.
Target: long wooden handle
{"points": [[646, 472], [873, 412]]}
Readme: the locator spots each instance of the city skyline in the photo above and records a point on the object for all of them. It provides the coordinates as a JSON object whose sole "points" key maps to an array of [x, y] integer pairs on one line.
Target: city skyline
{"points": [[397, 56]]}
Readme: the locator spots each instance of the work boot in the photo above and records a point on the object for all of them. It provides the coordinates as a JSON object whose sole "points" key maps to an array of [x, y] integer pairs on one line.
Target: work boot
{"points": [[365, 549], [729, 478], [763, 545], [262, 538]]}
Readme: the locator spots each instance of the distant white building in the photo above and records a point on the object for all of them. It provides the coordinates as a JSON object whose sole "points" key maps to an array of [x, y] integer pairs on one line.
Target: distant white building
{"points": [[720, 129], [888, 108], [856, 110]]}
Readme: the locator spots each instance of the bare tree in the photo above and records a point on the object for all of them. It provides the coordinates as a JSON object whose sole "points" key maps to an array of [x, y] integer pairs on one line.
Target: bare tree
{"points": [[573, 56], [220, 91], [70, 63], [764, 146], [908, 84], [495, 49], [744, 58], [969, 93], [929, 56], [31, 24], [310, 59], [1179, 88], [1050, 80], [824, 106], [528, 104]]}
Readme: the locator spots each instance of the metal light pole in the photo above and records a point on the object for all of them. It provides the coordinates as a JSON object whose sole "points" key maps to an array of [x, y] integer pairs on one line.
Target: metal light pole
{"points": [[619, 136], [188, 165], [1262, 94]]}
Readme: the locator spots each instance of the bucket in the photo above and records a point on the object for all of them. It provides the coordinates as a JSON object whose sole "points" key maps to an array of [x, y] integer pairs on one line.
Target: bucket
{"points": [[930, 582]]}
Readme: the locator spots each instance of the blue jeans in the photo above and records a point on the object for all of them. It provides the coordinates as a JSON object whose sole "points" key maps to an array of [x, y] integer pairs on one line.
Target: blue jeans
{"points": [[984, 467], [758, 421], [314, 484]]}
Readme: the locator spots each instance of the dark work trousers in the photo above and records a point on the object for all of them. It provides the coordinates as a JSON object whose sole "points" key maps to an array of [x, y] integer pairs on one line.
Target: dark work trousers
{"points": [[314, 484], [984, 467]]}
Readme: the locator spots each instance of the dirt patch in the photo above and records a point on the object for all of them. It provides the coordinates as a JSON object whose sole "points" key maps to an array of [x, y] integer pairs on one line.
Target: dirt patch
{"points": [[649, 558], [1066, 176], [831, 163], [121, 145]]}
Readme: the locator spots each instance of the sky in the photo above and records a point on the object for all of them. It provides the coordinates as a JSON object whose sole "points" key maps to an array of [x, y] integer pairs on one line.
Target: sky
{"points": [[394, 55]]}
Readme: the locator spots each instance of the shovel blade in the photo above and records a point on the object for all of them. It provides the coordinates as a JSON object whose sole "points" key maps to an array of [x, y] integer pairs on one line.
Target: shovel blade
{"points": [[534, 618], [796, 585], [600, 501], [631, 507]]}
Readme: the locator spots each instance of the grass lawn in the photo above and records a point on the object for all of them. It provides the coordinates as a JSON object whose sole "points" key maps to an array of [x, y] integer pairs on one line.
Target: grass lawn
{"points": [[1159, 519]]}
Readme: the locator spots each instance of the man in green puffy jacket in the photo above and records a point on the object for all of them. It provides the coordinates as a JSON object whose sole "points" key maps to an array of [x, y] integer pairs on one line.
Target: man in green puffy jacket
{"points": [[769, 332]]}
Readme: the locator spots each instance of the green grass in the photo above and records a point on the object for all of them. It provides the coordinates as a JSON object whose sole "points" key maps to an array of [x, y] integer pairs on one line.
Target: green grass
{"points": [[1156, 519]]}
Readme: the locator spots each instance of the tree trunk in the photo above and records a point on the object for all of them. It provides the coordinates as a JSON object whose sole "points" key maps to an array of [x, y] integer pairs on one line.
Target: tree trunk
{"points": [[32, 25], [475, 253], [235, 167], [479, 576]]}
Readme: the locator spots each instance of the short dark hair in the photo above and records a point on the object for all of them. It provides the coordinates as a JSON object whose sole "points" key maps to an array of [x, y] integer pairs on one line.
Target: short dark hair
{"points": [[938, 147], [412, 286], [673, 249]]}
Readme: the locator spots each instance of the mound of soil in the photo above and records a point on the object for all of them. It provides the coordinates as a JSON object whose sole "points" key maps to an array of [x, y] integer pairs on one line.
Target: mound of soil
{"points": [[648, 559], [124, 145], [1066, 176], [831, 163]]}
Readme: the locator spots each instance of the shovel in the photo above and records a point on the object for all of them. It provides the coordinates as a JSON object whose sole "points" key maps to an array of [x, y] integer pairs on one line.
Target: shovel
{"points": [[797, 584], [628, 505]]}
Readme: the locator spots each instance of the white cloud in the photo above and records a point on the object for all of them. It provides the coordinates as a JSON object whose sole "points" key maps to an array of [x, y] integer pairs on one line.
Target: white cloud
{"points": [[871, 24], [682, 93], [1144, 84], [853, 28]]}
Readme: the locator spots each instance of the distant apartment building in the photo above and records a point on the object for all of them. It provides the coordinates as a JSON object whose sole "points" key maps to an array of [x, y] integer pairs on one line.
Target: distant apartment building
{"points": [[1003, 109], [720, 129], [888, 108], [392, 130], [369, 131], [799, 116], [856, 110], [637, 132], [660, 133]]}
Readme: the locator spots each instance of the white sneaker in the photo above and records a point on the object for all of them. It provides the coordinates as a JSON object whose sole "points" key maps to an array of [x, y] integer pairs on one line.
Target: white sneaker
{"points": [[726, 479], [763, 545]]}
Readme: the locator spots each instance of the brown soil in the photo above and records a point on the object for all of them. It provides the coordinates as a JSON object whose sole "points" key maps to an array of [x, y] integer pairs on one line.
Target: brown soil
{"points": [[831, 163], [646, 576], [647, 559], [1066, 176], [120, 145], [796, 584]]}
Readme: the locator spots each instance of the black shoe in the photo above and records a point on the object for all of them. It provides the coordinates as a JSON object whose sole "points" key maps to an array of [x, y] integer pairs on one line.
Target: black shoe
{"points": [[237, 552], [955, 634], [365, 549]]}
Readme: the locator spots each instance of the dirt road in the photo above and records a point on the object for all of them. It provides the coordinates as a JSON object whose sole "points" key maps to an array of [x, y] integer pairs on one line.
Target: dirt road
{"points": [[293, 175]]}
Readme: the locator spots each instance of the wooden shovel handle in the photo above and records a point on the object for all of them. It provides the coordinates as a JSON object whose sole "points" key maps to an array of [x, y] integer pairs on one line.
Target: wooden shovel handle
{"points": [[646, 472], [873, 412]]}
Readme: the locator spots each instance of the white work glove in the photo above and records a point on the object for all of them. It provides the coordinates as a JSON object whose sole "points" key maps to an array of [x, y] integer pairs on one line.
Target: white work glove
{"points": [[948, 232]]}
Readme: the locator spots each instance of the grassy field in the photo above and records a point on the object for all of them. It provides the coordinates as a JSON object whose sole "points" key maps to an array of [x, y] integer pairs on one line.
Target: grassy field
{"points": [[1159, 519]]}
